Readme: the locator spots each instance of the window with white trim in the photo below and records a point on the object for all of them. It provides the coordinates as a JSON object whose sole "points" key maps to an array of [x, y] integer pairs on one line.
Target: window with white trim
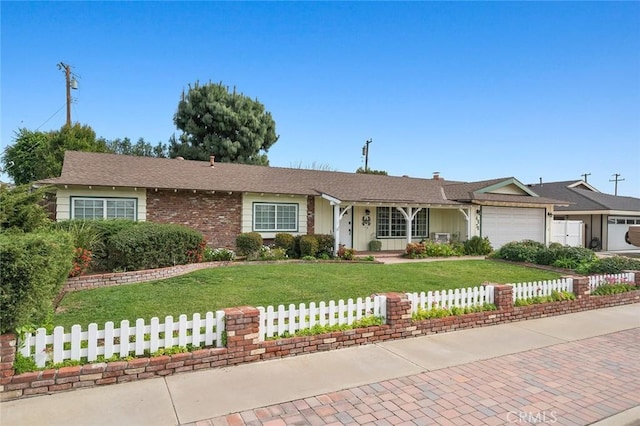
{"points": [[103, 208], [275, 217], [390, 223]]}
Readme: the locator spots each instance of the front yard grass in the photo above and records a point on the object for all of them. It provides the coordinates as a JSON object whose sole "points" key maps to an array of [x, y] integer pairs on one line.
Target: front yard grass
{"points": [[274, 284]]}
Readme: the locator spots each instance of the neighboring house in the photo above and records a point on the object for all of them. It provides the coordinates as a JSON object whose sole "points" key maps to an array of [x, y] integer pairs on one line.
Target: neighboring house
{"points": [[222, 200], [606, 217]]}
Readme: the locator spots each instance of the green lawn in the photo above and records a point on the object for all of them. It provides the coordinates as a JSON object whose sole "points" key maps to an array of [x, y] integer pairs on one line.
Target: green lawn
{"points": [[273, 284]]}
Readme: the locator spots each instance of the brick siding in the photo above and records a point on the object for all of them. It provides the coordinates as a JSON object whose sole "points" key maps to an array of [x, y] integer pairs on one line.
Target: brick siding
{"points": [[217, 216]]}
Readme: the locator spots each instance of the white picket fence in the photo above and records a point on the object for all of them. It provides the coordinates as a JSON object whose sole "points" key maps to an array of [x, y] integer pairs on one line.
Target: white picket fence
{"points": [[277, 321], [459, 297], [124, 341], [541, 288], [598, 280]]}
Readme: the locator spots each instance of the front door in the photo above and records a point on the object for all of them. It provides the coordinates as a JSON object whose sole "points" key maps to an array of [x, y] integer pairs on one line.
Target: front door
{"points": [[346, 228]]}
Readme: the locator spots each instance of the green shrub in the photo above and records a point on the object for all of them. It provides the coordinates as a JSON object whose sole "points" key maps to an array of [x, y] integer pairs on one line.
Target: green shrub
{"points": [[308, 245], [520, 251], [95, 233], [33, 267], [286, 242], [249, 244], [610, 265], [20, 209], [346, 253], [606, 289], [154, 245], [325, 244], [547, 256], [375, 245], [477, 246], [435, 249]]}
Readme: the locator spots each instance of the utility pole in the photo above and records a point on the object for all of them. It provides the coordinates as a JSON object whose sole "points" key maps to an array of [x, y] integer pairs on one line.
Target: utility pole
{"points": [[616, 179], [71, 84], [584, 175], [365, 152]]}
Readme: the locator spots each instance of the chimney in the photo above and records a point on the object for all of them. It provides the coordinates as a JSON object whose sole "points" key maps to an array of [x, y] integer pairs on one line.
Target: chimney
{"points": [[436, 175], [212, 159]]}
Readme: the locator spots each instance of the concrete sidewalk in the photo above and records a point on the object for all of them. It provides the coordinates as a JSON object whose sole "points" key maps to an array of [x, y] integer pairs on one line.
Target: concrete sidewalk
{"points": [[574, 369]]}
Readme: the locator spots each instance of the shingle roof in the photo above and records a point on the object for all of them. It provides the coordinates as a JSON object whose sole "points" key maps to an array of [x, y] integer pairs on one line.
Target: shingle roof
{"points": [[469, 192], [98, 169], [584, 199]]}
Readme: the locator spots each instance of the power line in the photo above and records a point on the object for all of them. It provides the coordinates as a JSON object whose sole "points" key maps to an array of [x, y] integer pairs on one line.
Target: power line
{"points": [[53, 115]]}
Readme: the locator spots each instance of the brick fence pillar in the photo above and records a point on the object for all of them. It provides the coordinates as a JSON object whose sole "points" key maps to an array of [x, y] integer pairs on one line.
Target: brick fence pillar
{"points": [[581, 287], [242, 325], [8, 347], [503, 297], [398, 309]]}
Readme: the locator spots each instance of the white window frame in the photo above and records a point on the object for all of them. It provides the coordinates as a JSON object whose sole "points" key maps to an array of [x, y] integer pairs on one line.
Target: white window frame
{"points": [[275, 227], [397, 229], [105, 209]]}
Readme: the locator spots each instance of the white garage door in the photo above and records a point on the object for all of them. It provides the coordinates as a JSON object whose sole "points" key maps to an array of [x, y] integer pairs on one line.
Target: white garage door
{"points": [[505, 224], [616, 228]]}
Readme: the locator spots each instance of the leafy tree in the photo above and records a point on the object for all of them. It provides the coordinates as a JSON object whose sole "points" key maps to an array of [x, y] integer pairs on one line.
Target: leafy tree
{"points": [[38, 155], [140, 148], [229, 125], [77, 137], [361, 170], [26, 160], [20, 209]]}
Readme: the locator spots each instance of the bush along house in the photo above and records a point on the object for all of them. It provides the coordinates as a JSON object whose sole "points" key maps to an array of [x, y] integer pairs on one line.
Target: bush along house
{"points": [[222, 200]]}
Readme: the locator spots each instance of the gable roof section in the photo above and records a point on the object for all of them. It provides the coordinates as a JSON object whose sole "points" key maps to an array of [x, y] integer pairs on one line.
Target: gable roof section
{"points": [[112, 170], [586, 200], [495, 190]]}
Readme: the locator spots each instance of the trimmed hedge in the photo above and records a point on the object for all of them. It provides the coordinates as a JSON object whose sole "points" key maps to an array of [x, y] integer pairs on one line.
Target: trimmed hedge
{"points": [[153, 245], [33, 267], [286, 242], [249, 244], [325, 244], [308, 245]]}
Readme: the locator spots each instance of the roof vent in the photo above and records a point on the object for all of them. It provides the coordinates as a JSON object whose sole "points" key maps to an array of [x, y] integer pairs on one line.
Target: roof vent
{"points": [[436, 175], [212, 159]]}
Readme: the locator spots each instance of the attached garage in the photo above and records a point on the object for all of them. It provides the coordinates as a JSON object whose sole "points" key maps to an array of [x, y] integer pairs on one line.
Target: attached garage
{"points": [[505, 224], [617, 226]]}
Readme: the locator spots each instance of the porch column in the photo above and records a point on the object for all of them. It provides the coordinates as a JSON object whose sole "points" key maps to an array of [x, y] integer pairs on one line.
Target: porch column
{"points": [[467, 216], [336, 228], [409, 215]]}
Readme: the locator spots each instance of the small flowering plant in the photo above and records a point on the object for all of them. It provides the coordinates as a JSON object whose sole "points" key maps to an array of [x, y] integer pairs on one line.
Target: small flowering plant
{"points": [[81, 262], [613, 285]]}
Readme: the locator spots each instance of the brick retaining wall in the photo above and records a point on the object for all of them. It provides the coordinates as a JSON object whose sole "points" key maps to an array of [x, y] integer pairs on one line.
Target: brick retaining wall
{"points": [[244, 345], [86, 282]]}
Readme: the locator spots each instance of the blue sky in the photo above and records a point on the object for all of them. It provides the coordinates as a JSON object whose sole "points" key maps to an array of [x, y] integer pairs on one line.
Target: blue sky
{"points": [[472, 90]]}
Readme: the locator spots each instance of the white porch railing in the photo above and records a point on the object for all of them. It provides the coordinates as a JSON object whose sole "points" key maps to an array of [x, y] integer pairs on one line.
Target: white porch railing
{"points": [[460, 297], [541, 288], [123, 341], [278, 321]]}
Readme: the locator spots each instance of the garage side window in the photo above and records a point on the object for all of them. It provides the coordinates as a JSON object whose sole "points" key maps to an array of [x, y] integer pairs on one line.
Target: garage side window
{"points": [[275, 217], [103, 208]]}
